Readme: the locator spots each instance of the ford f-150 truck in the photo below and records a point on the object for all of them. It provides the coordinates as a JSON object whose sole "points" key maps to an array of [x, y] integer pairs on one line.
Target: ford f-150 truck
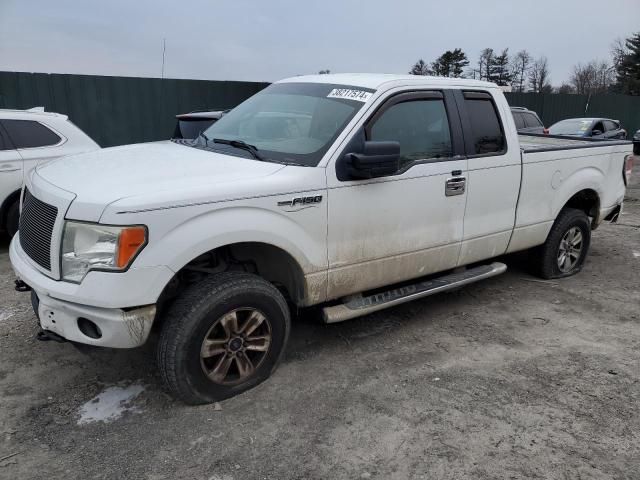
{"points": [[351, 192]]}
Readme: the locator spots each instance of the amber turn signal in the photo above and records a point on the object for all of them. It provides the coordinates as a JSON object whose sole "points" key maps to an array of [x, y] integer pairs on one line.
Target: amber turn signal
{"points": [[131, 241]]}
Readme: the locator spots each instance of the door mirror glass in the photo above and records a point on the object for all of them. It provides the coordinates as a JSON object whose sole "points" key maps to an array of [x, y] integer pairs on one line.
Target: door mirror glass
{"points": [[595, 133], [377, 159]]}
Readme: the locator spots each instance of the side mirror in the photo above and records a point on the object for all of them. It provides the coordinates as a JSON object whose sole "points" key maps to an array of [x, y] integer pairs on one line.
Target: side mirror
{"points": [[376, 160], [595, 133]]}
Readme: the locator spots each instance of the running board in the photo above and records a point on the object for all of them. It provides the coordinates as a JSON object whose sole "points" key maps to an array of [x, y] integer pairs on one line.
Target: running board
{"points": [[358, 306]]}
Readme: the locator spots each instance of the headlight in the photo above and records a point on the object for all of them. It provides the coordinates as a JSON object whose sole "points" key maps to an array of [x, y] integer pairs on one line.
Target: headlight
{"points": [[90, 246]]}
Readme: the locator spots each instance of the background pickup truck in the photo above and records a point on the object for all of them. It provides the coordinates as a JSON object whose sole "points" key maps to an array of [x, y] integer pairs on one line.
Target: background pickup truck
{"points": [[353, 192]]}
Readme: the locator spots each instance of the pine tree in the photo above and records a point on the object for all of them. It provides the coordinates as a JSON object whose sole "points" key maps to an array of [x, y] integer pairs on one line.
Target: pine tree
{"points": [[628, 67], [420, 68], [499, 70]]}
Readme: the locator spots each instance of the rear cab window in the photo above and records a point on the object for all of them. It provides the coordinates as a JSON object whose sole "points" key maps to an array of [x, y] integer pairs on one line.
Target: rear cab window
{"points": [[30, 134], [486, 134]]}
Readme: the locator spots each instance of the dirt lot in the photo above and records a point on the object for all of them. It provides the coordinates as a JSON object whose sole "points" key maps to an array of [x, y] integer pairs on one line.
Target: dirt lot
{"points": [[510, 378]]}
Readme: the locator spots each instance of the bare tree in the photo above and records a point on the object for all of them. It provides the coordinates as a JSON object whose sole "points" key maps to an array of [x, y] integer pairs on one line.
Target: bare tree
{"points": [[539, 80], [565, 88], [594, 77], [520, 65]]}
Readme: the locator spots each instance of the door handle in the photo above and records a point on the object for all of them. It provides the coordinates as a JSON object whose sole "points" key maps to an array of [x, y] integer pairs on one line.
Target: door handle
{"points": [[7, 167], [455, 186]]}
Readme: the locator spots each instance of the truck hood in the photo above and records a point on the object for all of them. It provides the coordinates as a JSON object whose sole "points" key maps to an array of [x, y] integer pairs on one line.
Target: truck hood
{"points": [[102, 177]]}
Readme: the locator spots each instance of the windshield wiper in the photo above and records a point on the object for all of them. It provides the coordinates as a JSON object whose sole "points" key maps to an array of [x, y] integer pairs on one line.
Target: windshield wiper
{"points": [[253, 150]]}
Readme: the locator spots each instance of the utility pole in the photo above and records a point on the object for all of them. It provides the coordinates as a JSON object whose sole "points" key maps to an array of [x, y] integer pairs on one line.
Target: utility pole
{"points": [[164, 49]]}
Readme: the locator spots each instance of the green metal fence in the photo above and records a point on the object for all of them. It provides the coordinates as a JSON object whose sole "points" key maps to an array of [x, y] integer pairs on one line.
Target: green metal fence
{"points": [[120, 110], [553, 107]]}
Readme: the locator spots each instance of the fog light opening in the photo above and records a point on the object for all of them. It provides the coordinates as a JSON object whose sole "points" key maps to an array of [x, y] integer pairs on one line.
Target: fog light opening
{"points": [[89, 328]]}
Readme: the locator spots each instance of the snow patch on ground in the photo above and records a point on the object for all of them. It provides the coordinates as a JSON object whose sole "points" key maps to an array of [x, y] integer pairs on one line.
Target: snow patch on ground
{"points": [[110, 404]]}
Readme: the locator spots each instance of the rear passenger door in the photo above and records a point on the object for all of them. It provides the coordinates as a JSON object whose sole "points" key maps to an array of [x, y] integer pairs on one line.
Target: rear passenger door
{"points": [[493, 177], [34, 141]]}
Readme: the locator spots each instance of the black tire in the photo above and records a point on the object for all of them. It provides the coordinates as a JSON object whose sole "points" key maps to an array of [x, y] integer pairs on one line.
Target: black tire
{"points": [[546, 257], [35, 303], [13, 219], [191, 318]]}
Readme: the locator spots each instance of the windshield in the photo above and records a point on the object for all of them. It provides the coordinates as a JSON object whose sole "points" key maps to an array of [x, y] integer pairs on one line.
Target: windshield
{"points": [[570, 127], [289, 122]]}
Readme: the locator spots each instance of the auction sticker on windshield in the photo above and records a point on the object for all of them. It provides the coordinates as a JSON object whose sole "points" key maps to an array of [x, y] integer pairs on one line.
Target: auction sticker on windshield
{"points": [[350, 94]]}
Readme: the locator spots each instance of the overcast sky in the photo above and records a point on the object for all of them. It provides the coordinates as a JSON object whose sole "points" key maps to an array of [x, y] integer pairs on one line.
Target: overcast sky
{"points": [[265, 40]]}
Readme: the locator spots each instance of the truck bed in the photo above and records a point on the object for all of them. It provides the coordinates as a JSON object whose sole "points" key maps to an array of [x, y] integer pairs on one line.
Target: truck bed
{"points": [[547, 143]]}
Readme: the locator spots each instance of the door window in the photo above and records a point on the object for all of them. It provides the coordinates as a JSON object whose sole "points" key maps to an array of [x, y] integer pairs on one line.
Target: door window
{"points": [[609, 125], [421, 127], [598, 126], [517, 117], [29, 134], [531, 120], [486, 130], [4, 143]]}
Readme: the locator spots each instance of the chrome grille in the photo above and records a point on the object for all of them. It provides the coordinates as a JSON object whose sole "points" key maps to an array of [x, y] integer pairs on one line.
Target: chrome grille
{"points": [[36, 228]]}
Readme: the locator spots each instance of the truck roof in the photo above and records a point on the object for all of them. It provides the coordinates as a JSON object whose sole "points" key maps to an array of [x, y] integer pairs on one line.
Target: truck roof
{"points": [[377, 80]]}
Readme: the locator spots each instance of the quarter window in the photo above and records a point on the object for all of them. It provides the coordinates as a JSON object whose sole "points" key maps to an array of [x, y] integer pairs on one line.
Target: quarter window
{"points": [[29, 134], [486, 131], [420, 126]]}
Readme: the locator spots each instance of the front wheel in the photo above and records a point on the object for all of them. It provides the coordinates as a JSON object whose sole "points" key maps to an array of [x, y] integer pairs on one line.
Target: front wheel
{"points": [[221, 337], [567, 245]]}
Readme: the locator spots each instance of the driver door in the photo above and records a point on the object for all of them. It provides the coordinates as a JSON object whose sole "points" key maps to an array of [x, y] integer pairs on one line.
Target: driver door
{"points": [[408, 224]]}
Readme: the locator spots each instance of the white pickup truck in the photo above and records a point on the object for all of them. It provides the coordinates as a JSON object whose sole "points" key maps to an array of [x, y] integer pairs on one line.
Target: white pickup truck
{"points": [[353, 192]]}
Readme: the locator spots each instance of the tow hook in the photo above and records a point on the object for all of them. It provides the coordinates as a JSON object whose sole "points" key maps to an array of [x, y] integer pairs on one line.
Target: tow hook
{"points": [[21, 286], [48, 335]]}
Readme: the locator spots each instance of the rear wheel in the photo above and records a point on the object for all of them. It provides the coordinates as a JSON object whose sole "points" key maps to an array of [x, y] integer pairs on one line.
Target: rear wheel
{"points": [[567, 245], [13, 218], [222, 336]]}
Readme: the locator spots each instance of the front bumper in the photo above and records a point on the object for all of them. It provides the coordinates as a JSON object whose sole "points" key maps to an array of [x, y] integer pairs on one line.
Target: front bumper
{"points": [[115, 328], [112, 301]]}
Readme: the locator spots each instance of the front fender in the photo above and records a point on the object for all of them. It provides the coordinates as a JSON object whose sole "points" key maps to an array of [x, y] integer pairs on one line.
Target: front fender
{"points": [[177, 236], [212, 230]]}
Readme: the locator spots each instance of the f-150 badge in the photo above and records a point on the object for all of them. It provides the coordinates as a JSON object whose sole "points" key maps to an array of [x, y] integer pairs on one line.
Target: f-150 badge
{"points": [[301, 202]]}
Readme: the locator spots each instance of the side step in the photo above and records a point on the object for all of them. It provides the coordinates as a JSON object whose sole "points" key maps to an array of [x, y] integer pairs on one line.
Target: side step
{"points": [[359, 306]]}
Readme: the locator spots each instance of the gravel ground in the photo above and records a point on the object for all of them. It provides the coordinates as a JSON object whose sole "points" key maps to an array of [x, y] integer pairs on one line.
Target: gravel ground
{"points": [[509, 378]]}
